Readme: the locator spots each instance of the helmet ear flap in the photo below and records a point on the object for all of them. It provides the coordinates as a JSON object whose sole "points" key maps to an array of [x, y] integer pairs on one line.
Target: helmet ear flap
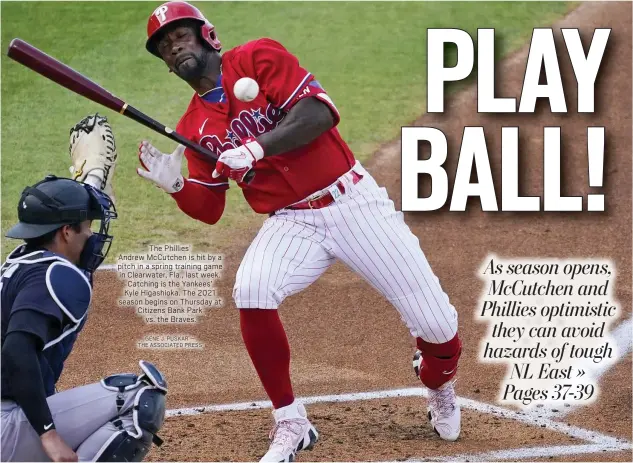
{"points": [[207, 31]]}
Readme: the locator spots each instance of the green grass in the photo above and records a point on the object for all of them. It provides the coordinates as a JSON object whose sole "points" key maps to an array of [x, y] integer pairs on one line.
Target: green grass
{"points": [[369, 56]]}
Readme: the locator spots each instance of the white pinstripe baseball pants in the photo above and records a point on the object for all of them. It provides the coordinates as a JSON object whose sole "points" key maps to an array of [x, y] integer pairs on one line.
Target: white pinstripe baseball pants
{"points": [[362, 229]]}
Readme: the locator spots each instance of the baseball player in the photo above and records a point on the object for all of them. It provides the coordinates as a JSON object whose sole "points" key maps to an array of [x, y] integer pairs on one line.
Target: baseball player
{"points": [[322, 206], [46, 289]]}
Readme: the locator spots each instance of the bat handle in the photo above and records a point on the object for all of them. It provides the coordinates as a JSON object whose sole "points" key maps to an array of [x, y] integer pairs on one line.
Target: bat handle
{"points": [[250, 175]]}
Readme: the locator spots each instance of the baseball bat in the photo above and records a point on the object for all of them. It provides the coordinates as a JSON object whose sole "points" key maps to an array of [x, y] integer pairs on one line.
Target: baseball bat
{"points": [[35, 59]]}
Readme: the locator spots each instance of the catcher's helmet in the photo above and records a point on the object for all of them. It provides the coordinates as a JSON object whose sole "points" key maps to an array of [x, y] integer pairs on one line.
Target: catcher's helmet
{"points": [[54, 202], [170, 12]]}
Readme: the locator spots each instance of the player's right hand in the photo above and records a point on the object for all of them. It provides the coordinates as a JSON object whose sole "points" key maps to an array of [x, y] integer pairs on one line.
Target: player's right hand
{"points": [[162, 169], [56, 448]]}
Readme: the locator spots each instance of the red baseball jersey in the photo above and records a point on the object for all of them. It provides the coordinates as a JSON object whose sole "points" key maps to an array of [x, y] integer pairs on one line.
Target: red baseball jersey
{"points": [[219, 121]]}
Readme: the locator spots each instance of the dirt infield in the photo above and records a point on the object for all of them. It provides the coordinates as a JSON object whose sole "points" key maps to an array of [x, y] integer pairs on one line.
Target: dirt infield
{"points": [[346, 339]]}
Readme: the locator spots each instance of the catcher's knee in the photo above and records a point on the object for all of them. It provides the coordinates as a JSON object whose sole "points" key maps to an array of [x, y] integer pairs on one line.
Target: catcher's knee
{"points": [[148, 414]]}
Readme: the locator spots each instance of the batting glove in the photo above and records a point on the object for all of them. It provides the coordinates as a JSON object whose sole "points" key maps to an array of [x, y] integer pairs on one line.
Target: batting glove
{"points": [[162, 169], [236, 163]]}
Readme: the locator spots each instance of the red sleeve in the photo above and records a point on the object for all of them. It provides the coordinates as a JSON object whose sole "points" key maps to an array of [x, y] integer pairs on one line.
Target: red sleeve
{"points": [[200, 169], [283, 80], [314, 89], [201, 202], [202, 197]]}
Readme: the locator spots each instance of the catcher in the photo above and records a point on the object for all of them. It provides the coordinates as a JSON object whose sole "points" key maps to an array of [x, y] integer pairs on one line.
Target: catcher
{"points": [[46, 289]]}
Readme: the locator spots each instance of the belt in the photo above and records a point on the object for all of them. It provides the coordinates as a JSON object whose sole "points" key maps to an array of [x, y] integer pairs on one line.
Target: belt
{"points": [[329, 196]]}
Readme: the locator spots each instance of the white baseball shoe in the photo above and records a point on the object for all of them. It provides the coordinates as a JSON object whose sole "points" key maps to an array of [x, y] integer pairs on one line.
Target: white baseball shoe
{"points": [[292, 432], [443, 411]]}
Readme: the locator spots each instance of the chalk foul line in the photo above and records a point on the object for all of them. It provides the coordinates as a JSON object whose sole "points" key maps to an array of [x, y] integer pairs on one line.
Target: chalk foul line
{"points": [[622, 335], [531, 452], [106, 267]]}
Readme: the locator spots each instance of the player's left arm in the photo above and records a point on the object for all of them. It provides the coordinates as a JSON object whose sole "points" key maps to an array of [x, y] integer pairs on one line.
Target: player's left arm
{"points": [[305, 122], [27, 333], [310, 112]]}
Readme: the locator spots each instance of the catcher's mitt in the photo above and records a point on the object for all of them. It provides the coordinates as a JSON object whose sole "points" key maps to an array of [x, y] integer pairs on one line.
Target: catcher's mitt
{"points": [[93, 153]]}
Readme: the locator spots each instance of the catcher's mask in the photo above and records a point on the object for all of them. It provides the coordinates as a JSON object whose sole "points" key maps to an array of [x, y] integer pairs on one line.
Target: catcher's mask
{"points": [[171, 12], [54, 202]]}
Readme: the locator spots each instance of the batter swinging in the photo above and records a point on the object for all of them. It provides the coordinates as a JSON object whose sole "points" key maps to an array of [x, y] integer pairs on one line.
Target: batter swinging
{"points": [[322, 206]]}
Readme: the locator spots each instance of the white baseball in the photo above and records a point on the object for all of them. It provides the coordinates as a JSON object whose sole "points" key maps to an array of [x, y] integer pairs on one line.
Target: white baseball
{"points": [[246, 89]]}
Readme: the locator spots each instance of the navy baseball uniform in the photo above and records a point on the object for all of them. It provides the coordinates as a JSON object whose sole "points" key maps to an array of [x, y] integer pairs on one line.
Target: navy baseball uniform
{"points": [[46, 297], [46, 290]]}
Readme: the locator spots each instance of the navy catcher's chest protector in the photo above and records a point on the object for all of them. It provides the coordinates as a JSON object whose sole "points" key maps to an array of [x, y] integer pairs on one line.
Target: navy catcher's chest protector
{"points": [[45, 283]]}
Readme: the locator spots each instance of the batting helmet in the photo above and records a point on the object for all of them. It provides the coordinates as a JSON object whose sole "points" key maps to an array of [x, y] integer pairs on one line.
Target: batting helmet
{"points": [[170, 12]]}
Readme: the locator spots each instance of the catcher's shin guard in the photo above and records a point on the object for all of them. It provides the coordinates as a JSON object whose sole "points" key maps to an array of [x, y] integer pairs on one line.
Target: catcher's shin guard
{"points": [[132, 442], [93, 153], [123, 447]]}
